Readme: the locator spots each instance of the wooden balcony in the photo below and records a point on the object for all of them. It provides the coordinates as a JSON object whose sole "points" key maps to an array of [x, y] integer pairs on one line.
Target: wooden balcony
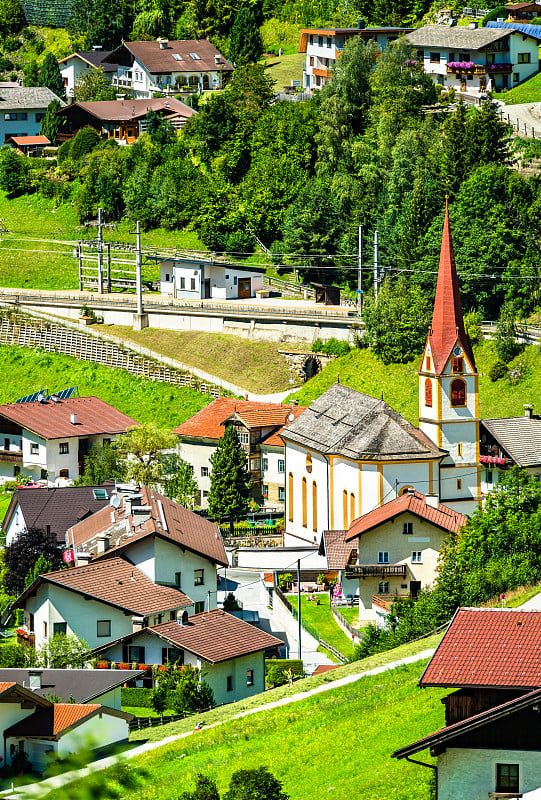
{"points": [[322, 73], [11, 456], [482, 69], [385, 601], [376, 571]]}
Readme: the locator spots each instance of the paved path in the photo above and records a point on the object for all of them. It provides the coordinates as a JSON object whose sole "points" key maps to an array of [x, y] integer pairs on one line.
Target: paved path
{"points": [[36, 790], [533, 604]]}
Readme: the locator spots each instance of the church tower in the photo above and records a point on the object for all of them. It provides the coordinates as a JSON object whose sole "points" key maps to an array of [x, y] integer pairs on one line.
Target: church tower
{"points": [[449, 389]]}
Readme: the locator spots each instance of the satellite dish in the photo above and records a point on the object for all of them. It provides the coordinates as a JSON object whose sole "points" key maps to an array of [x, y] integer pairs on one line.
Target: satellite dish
{"points": [[115, 501], [291, 417]]}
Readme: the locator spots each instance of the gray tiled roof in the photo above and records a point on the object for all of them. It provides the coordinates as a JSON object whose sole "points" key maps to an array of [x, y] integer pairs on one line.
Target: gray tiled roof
{"points": [[26, 97], [351, 424], [459, 38], [83, 685], [520, 437]]}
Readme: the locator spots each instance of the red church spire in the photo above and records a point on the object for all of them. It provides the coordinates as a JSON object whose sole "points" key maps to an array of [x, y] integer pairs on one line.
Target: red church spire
{"points": [[447, 321]]}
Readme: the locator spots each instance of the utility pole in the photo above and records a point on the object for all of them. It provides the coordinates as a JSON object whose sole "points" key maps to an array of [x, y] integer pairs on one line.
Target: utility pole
{"points": [[360, 273], [100, 253], [109, 269], [138, 280], [299, 602], [80, 260], [376, 266]]}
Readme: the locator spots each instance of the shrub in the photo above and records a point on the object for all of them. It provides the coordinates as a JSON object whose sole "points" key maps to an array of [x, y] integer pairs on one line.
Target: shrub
{"points": [[472, 324], [333, 347], [294, 664], [84, 142], [136, 697], [498, 370], [64, 150], [276, 676], [317, 346]]}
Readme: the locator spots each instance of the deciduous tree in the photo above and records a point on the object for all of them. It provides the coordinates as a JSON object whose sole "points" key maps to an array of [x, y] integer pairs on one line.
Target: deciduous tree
{"points": [[144, 446], [103, 463], [179, 482], [22, 554], [94, 85]]}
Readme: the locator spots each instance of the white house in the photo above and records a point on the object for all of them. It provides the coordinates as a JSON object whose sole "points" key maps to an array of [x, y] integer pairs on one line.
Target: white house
{"points": [[510, 441], [168, 66], [229, 652], [477, 59], [78, 64], [22, 109], [324, 45], [207, 279], [49, 439]]}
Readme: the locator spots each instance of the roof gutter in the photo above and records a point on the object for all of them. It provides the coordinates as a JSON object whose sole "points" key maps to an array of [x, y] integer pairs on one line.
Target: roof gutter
{"points": [[430, 766]]}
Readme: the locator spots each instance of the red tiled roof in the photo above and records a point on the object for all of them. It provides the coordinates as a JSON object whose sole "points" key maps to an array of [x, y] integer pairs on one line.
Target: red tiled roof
{"points": [[5, 685], [489, 648], [208, 423], [413, 502], [51, 420], [325, 668], [213, 636], [117, 583], [22, 140], [339, 553], [447, 321], [53, 722], [157, 61]]}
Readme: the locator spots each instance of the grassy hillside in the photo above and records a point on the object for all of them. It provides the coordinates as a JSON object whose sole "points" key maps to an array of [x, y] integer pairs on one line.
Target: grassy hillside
{"points": [[397, 383], [529, 92], [284, 69], [25, 371], [352, 730]]}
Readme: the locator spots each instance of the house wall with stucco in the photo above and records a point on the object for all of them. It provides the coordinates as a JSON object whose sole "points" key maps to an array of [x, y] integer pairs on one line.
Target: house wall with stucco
{"points": [[471, 773]]}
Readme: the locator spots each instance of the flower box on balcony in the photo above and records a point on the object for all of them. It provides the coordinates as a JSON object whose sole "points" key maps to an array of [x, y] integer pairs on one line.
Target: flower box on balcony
{"points": [[123, 665], [145, 666]]}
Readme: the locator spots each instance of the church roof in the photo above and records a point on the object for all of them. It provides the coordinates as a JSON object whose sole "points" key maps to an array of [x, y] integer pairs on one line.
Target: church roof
{"points": [[447, 321], [348, 423]]}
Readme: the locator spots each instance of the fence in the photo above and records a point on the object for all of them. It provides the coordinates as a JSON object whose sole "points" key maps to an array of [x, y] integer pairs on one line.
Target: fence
{"points": [[344, 623], [140, 723], [288, 286], [478, 13], [249, 540]]}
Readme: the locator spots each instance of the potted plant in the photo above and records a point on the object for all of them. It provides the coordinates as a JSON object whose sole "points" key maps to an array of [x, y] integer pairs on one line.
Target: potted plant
{"points": [[285, 580], [86, 315]]}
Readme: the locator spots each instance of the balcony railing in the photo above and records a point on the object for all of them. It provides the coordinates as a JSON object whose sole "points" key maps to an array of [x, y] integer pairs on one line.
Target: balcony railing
{"points": [[478, 69], [385, 601], [11, 456], [376, 571], [122, 83]]}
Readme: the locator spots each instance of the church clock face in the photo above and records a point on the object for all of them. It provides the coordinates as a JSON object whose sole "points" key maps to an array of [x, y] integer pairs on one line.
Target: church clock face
{"points": [[457, 351]]}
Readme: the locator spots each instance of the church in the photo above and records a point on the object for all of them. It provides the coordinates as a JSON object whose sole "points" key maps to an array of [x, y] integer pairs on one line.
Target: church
{"points": [[350, 453]]}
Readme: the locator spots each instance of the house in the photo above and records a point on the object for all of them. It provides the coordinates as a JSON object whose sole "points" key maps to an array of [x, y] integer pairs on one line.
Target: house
{"points": [[397, 548], [122, 120], [202, 279], [477, 60], [53, 508], [490, 743], [324, 45], [29, 145], [16, 703], [22, 109], [349, 453], [78, 64], [101, 686], [168, 66], [522, 12], [64, 729], [259, 427], [49, 438], [229, 651], [169, 544], [96, 602], [507, 442], [340, 555]]}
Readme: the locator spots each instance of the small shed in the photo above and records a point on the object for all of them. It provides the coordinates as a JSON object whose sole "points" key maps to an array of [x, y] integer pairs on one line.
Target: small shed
{"points": [[202, 279], [326, 294], [29, 145]]}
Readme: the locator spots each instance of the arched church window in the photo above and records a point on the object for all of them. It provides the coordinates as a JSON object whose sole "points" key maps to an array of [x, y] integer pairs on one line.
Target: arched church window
{"points": [[290, 496], [308, 463], [314, 506], [304, 503], [345, 509], [458, 393], [428, 392]]}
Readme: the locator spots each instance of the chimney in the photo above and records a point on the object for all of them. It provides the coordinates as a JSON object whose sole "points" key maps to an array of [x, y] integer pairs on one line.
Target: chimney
{"points": [[528, 410], [182, 617], [473, 25], [102, 545], [73, 419], [361, 24], [82, 559], [34, 678], [432, 500], [163, 43], [137, 624]]}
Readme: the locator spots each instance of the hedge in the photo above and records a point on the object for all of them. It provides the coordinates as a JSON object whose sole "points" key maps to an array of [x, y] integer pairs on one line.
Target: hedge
{"points": [[295, 665], [136, 697]]}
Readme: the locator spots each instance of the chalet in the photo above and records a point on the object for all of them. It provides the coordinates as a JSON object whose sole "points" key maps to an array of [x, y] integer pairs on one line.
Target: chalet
{"points": [[207, 279], [259, 428], [229, 651], [53, 508], [49, 438], [490, 743], [121, 120], [78, 64], [324, 45], [507, 442], [169, 67], [522, 12], [170, 545], [477, 60], [22, 109]]}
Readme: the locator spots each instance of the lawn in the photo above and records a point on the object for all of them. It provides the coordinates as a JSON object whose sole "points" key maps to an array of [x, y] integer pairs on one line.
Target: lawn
{"points": [[363, 722], [350, 614], [25, 371], [529, 92], [256, 366], [140, 711], [398, 383], [321, 618], [5, 498], [284, 69]]}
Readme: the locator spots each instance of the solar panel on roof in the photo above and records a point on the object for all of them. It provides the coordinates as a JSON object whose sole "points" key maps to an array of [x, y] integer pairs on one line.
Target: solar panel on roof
{"points": [[521, 27], [32, 398], [66, 393]]}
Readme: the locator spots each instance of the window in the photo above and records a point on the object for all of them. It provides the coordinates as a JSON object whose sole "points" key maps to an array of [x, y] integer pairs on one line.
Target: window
{"points": [[45, 630], [264, 490], [255, 464], [178, 579], [428, 363], [281, 465], [408, 528], [183, 283], [59, 628], [314, 506], [195, 57], [103, 627], [64, 473], [10, 116], [249, 677], [507, 778], [458, 364], [417, 557], [450, 57], [345, 510], [244, 437], [290, 499], [170, 655], [24, 115], [524, 58], [199, 606], [311, 61], [421, 55], [235, 280], [229, 683], [16, 470], [31, 623], [469, 76], [281, 493], [99, 494], [459, 448], [428, 393], [383, 587], [308, 463], [516, 77], [133, 653], [192, 284], [265, 465], [304, 503], [329, 41], [204, 472], [459, 483], [464, 57], [198, 577], [434, 58], [63, 448], [320, 41], [106, 442], [167, 277], [34, 448], [39, 116], [6, 444], [458, 393], [351, 507], [489, 476], [311, 39], [383, 557]]}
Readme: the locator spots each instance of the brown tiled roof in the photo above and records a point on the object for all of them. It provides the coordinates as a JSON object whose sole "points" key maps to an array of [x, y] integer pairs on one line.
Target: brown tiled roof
{"points": [[117, 583], [12, 692], [52, 722], [208, 423], [489, 648], [51, 420], [5, 685], [213, 636], [183, 527], [414, 503], [339, 552], [125, 110], [157, 61]]}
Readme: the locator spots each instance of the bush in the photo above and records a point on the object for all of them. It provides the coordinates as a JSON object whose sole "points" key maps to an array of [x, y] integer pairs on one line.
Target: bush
{"points": [[64, 150], [295, 665], [83, 143], [472, 324], [136, 697], [333, 347], [498, 370], [276, 676]]}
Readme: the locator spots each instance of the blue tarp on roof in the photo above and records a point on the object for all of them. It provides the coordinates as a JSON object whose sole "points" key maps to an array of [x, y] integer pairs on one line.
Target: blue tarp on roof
{"points": [[521, 27]]}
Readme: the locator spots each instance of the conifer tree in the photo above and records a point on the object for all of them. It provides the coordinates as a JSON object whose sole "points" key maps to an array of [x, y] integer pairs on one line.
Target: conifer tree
{"points": [[487, 137], [453, 157], [49, 76], [246, 45], [50, 124], [229, 480]]}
